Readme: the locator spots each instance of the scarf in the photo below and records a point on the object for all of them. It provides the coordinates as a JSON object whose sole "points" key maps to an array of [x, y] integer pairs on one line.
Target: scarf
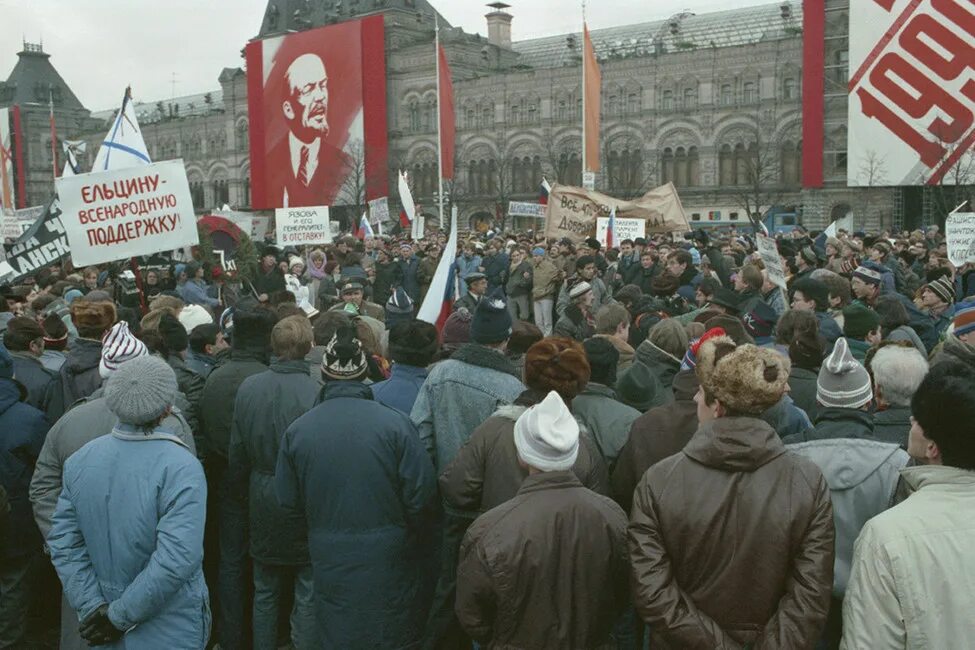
{"points": [[314, 272]]}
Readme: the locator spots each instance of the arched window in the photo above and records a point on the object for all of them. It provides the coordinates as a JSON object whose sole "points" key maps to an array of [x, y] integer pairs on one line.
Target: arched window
{"points": [[749, 93], [562, 112], [726, 166], [574, 170], [414, 116], [471, 118], [667, 100], [614, 169], [791, 163], [515, 114], [532, 114], [741, 165], [680, 167], [613, 105], [790, 88], [727, 95], [693, 167], [690, 98], [667, 166], [632, 103], [487, 116], [243, 136]]}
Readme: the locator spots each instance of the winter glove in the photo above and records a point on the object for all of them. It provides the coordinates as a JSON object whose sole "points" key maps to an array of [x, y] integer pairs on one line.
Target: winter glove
{"points": [[97, 629]]}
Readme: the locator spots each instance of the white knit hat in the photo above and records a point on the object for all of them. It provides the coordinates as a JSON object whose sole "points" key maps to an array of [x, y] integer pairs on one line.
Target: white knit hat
{"points": [[119, 346], [843, 382], [192, 315], [547, 436]]}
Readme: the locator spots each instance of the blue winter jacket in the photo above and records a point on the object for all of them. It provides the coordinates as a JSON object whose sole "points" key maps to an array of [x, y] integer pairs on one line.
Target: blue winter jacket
{"points": [[467, 265], [194, 292], [128, 531], [360, 475], [400, 390], [22, 432]]}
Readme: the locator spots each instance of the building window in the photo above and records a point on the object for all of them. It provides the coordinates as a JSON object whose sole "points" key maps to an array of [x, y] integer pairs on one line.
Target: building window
{"points": [[690, 98], [727, 96], [613, 105], [791, 160], [197, 195], [487, 116], [726, 166], [414, 117], [667, 166], [516, 114], [667, 100], [471, 117], [532, 114], [749, 93], [790, 88], [841, 70], [633, 103], [562, 112]]}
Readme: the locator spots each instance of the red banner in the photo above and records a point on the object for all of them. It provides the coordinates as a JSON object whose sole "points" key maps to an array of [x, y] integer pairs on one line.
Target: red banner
{"points": [[447, 117], [317, 105]]}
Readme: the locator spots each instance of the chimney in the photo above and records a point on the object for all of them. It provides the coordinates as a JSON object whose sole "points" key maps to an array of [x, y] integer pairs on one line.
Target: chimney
{"points": [[499, 25]]}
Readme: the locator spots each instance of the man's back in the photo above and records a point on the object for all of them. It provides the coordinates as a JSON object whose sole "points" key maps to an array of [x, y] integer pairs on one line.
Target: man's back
{"points": [[732, 539], [912, 582], [546, 569]]}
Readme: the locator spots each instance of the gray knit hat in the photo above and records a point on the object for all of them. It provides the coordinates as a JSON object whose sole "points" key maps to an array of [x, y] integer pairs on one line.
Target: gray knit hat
{"points": [[843, 382], [141, 390]]}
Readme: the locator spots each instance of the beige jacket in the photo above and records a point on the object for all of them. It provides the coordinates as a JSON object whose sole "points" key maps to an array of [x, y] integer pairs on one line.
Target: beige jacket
{"points": [[912, 583]]}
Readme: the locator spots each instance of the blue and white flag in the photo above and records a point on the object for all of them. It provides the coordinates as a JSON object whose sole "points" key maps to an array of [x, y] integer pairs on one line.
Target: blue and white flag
{"points": [[123, 146], [366, 227]]}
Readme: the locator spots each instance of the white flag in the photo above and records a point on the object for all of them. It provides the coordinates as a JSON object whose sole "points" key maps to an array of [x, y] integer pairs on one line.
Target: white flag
{"points": [[73, 149], [123, 145], [406, 197]]}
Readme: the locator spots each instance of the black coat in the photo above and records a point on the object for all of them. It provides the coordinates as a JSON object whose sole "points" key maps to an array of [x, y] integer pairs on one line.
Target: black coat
{"points": [[37, 379], [408, 277], [219, 393], [388, 276], [367, 487], [78, 378]]}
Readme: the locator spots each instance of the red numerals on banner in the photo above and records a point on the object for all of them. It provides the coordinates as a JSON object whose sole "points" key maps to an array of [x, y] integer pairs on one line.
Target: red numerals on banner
{"points": [[945, 56], [886, 4]]}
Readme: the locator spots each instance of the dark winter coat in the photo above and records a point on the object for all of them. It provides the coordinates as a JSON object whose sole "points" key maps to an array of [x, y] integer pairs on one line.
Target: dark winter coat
{"points": [[37, 379], [836, 423], [660, 432], [657, 383], [643, 277], [266, 405], [547, 570], [402, 387], [515, 283], [608, 419], [409, 277], [573, 324], [486, 472], [495, 268], [22, 431], [79, 376], [828, 327], [388, 276], [802, 389], [731, 542], [893, 425], [191, 384], [219, 394], [366, 486], [269, 283], [786, 418]]}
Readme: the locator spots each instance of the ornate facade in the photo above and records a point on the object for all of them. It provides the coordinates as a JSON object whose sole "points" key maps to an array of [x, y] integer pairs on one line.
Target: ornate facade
{"points": [[710, 102]]}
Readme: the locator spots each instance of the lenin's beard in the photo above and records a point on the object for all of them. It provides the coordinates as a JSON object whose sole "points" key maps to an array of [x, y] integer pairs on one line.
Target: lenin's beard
{"points": [[310, 122]]}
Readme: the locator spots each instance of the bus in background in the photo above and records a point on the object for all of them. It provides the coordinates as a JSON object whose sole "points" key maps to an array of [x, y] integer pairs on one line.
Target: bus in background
{"points": [[778, 218]]}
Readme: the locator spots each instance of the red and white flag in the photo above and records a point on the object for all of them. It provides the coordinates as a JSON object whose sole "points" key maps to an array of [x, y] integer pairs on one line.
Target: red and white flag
{"points": [[439, 302]]}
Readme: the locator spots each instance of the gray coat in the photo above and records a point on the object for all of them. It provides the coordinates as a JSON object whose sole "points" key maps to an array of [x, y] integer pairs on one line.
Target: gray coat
{"points": [[266, 405], [608, 419], [460, 394], [893, 425], [862, 476], [600, 296], [88, 420]]}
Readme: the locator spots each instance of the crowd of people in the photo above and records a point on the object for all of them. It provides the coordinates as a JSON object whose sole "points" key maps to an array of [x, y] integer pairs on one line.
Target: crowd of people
{"points": [[654, 445]]}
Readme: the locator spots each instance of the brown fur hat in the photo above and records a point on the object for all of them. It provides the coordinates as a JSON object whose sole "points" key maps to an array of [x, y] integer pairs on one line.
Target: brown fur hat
{"points": [[708, 354], [750, 380], [92, 317], [558, 364]]}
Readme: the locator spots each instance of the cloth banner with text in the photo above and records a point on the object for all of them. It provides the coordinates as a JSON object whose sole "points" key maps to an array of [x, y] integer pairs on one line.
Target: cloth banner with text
{"points": [[128, 212], [42, 245], [573, 211]]}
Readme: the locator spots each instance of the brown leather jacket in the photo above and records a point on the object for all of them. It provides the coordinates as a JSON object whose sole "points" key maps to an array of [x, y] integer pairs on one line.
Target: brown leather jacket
{"points": [[731, 542], [485, 472], [545, 570]]}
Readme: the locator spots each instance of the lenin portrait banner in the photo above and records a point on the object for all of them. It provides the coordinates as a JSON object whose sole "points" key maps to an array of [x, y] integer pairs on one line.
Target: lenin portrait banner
{"points": [[317, 106]]}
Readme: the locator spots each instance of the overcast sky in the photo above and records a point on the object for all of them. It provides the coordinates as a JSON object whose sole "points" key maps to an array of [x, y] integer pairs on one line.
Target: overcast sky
{"points": [[100, 46]]}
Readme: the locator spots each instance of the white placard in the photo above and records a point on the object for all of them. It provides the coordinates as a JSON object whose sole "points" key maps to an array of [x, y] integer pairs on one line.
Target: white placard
{"points": [[960, 233], [300, 226], [10, 228], [129, 212], [379, 210], [625, 229], [589, 180], [911, 108], [526, 209], [769, 253]]}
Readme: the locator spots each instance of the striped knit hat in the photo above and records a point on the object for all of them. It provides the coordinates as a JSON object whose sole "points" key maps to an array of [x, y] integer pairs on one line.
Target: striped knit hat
{"points": [[964, 318], [943, 288], [868, 275], [119, 346], [843, 382]]}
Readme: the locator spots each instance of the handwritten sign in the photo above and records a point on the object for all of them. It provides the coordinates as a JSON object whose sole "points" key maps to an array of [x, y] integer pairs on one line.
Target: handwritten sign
{"points": [[769, 253], [960, 233], [526, 209], [625, 229], [128, 212], [299, 226]]}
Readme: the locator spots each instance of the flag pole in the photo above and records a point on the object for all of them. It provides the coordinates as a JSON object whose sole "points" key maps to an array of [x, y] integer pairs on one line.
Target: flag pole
{"points": [[436, 56], [584, 91], [54, 133]]}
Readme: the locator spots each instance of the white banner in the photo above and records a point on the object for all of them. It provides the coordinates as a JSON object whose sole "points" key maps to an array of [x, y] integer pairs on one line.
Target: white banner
{"points": [[960, 233], [769, 253], [625, 229], [526, 209], [8, 199], [300, 226], [129, 212], [912, 107]]}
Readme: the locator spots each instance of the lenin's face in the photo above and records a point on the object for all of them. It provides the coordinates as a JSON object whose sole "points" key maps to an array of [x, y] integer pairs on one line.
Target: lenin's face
{"points": [[306, 108]]}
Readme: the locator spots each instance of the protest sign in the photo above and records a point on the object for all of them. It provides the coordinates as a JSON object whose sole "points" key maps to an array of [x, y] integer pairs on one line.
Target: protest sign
{"points": [[379, 210], [300, 226], [9, 225], [129, 212], [960, 233], [526, 209], [252, 225], [44, 244], [625, 229], [573, 211], [769, 253]]}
